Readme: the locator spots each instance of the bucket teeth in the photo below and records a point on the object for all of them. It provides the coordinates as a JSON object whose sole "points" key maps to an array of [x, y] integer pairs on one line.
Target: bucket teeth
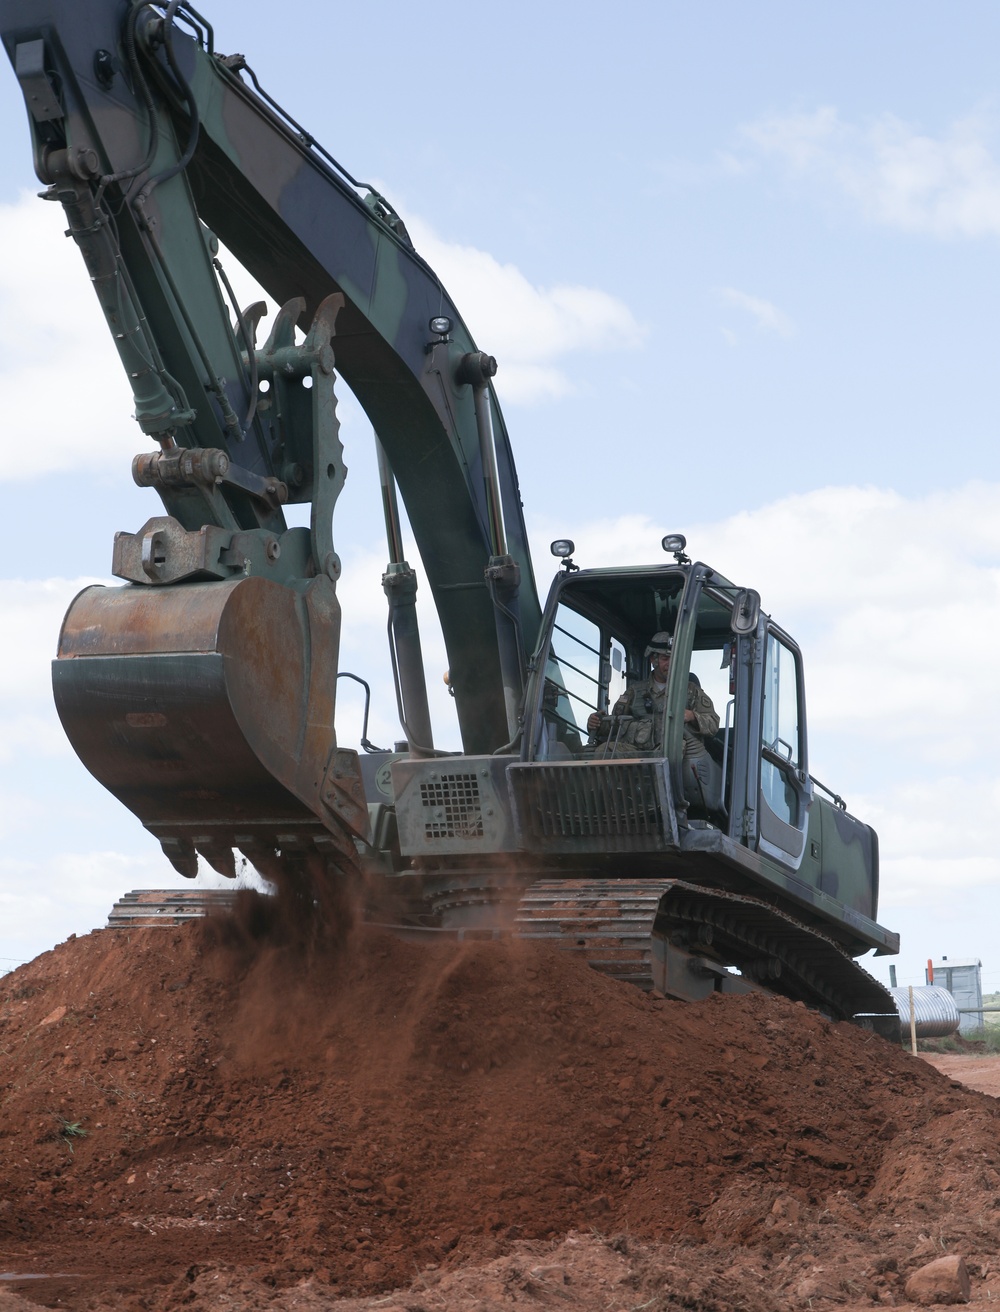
{"points": [[181, 854], [220, 857]]}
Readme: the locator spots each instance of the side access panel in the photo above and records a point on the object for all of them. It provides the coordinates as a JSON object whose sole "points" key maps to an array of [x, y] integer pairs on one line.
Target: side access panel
{"points": [[840, 860], [848, 858], [707, 850], [452, 806]]}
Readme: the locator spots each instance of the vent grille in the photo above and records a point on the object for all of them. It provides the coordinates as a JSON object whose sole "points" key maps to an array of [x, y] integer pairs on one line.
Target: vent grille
{"points": [[455, 807], [601, 804]]}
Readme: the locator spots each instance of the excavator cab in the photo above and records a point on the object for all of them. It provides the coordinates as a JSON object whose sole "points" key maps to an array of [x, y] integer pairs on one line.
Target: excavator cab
{"points": [[754, 812], [598, 653], [594, 647], [754, 806]]}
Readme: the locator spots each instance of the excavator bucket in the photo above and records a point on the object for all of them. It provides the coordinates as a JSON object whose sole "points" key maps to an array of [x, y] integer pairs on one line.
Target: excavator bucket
{"points": [[208, 710]]}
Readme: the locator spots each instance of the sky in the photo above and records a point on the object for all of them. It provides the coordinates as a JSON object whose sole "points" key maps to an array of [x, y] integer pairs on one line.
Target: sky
{"points": [[738, 265]]}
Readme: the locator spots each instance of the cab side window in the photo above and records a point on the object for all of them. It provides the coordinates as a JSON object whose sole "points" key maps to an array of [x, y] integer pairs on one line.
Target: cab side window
{"points": [[585, 672], [780, 736]]}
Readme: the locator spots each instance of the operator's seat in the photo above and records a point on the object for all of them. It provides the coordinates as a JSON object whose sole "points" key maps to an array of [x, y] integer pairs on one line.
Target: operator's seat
{"points": [[704, 786]]}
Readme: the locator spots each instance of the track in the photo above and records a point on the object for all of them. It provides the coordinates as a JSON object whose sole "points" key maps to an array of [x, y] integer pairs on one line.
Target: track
{"points": [[688, 941], [152, 908], [680, 939], [609, 921]]}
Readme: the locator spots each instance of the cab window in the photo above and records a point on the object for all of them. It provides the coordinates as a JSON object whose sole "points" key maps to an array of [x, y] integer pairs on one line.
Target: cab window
{"points": [[780, 737], [585, 672]]}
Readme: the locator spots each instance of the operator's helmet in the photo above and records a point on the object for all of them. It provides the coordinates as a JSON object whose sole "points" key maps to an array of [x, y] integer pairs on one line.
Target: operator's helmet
{"points": [[660, 643]]}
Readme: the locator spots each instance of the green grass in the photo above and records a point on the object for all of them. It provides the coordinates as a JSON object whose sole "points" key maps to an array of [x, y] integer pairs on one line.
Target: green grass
{"points": [[991, 1019], [974, 1043], [988, 1037], [950, 1043], [69, 1130]]}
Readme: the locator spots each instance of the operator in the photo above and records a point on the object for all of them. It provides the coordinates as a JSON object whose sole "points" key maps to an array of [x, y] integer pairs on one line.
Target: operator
{"points": [[645, 703]]}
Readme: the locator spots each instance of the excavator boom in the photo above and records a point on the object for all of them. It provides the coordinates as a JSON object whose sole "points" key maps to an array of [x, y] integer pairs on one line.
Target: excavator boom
{"points": [[148, 135], [207, 700]]}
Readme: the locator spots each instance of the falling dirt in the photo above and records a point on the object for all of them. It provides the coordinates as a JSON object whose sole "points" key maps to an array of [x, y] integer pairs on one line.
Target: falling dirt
{"points": [[216, 1116]]}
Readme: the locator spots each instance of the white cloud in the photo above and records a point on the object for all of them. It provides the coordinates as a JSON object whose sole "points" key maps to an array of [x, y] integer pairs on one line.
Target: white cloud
{"points": [[67, 398], [946, 185], [38, 735], [925, 853], [797, 139], [528, 328], [33, 609], [51, 326], [767, 316], [72, 892]]}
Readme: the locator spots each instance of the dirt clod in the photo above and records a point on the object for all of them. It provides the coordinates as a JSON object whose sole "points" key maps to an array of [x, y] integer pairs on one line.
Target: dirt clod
{"points": [[945, 1280]]}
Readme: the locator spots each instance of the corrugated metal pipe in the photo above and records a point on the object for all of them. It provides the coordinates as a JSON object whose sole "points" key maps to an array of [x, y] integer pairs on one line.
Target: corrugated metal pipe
{"points": [[934, 1010]]}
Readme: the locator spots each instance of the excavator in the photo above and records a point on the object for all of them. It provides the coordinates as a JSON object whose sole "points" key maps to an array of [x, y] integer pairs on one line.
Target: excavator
{"points": [[202, 691]]}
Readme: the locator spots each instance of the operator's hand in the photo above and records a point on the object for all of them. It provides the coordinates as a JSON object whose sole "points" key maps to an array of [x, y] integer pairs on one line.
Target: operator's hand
{"points": [[689, 717], [594, 722]]}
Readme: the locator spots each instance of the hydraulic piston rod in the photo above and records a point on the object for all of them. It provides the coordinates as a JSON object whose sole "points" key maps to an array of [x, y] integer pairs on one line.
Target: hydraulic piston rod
{"points": [[503, 574], [399, 582]]}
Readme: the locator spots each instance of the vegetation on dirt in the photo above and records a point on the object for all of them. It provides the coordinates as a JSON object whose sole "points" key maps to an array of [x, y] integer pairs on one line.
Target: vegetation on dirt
{"points": [[984, 1043], [69, 1130]]}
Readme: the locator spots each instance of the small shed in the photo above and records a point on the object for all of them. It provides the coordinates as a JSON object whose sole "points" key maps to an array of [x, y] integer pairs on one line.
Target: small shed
{"points": [[962, 977]]}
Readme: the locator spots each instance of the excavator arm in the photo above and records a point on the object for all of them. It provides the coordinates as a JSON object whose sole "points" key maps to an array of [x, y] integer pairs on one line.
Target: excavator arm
{"points": [[202, 693], [158, 148]]}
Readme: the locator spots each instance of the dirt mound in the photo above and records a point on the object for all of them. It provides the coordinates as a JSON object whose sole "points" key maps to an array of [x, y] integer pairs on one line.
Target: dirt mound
{"points": [[208, 1114]]}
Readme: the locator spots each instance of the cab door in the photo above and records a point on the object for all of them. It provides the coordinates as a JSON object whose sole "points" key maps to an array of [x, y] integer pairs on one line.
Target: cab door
{"points": [[784, 790]]}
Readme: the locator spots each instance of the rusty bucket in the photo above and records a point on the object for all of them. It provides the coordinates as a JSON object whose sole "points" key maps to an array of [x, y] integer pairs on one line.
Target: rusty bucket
{"points": [[208, 710]]}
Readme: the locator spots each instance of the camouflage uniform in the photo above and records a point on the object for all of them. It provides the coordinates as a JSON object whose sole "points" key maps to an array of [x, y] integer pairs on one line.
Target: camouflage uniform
{"points": [[645, 702], [640, 731]]}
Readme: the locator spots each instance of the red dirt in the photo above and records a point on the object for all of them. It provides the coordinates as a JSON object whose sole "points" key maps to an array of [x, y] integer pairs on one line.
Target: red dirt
{"points": [[977, 1072], [477, 1125]]}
